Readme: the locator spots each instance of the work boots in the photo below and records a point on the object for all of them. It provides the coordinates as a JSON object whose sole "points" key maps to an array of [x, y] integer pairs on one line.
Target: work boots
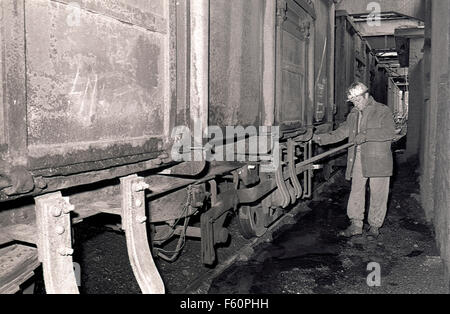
{"points": [[373, 233], [351, 231]]}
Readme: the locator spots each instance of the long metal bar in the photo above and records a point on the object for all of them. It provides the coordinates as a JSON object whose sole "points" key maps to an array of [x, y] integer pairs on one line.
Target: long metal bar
{"points": [[253, 194], [324, 155], [292, 172]]}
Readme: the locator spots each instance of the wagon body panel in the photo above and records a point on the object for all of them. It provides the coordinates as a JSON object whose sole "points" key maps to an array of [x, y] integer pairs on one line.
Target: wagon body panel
{"points": [[96, 82], [295, 56], [236, 62], [267, 38]]}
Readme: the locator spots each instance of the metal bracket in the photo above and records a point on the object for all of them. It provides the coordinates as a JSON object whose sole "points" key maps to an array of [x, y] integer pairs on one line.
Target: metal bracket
{"points": [[207, 238], [292, 169], [281, 184], [18, 180], [308, 174], [211, 222], [55, 243], [291, 191], [281, 11], [134, 223], [213, 189], [212, 233]]}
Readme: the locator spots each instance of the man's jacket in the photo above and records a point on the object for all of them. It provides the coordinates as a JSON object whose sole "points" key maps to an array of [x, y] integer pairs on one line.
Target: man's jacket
{"points": [[377, 126]]}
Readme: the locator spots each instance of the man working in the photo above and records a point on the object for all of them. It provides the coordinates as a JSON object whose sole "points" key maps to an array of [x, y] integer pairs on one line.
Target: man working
{"points": [[370, 126]]}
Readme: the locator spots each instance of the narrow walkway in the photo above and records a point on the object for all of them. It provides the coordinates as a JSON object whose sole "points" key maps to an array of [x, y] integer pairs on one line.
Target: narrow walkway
{"points": [[309, 258]]}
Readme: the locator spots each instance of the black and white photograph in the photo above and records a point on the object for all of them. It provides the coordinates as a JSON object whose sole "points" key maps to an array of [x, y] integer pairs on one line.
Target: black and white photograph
{"points": [[226, 155]]}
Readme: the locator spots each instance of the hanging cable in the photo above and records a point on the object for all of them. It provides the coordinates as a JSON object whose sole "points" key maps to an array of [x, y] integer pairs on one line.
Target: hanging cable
{"points": [[182, 240]]}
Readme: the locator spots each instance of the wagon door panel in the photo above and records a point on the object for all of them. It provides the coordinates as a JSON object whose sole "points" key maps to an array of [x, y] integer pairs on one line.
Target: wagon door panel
{"points": [[236, 62], [293, 42], [97, 79]]}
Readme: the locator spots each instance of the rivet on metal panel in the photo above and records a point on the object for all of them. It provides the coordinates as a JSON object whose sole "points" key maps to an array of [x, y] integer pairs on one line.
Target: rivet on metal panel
{"points": [[140, 186], [141, 219], [40, 183], [157, 161], [56, 211], [65, 251], [68, 208], [138, 203], [60, 230]]}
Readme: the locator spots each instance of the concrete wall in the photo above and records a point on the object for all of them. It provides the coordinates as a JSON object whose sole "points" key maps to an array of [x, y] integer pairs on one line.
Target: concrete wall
{"points": [[442, 162], [435, 148], [416, 102], [427, 80], [438, 33]]}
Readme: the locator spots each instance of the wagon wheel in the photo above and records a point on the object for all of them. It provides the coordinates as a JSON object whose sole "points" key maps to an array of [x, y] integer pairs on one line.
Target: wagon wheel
{"points": [[251, 221]]}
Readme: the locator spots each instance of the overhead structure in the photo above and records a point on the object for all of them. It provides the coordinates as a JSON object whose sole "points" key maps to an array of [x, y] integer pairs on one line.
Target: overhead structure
{"points": [[378, 23], [411, 8]]}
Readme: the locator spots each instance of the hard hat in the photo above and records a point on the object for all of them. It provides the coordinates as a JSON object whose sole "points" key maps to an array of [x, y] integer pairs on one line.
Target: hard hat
{"points": [[355, 90]]}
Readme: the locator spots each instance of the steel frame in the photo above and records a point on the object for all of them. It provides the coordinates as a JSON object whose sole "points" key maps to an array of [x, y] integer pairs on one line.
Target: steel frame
{"points": [[134, 223], [55, 243]]}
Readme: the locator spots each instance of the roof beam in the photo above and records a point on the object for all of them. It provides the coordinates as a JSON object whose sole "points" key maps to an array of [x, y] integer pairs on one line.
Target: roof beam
{"points": [[411, 8], [386, 27]]}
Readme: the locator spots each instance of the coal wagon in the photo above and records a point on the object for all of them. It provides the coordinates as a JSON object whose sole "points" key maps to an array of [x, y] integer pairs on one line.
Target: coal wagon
{"points": [[131, 108], [355, 61]]}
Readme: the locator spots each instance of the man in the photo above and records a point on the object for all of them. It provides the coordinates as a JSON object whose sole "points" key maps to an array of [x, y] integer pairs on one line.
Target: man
{"points": [[370, 126]]}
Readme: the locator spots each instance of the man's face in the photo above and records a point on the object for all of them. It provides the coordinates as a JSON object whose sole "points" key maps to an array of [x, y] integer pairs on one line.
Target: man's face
{"points": [[360, 101]]}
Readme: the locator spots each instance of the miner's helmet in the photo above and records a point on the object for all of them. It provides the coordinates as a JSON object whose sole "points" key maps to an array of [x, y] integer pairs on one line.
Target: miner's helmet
{"points": [[355, 90]]}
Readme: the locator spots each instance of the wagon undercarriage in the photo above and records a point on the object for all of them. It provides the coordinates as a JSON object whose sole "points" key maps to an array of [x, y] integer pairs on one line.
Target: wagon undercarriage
{"points": [[257, 199]]}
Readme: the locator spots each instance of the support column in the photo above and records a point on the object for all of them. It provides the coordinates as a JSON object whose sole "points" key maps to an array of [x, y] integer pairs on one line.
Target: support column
{"points": [[331, 58], [55, 243], [269, 71], [199, 69], [134, 223]]}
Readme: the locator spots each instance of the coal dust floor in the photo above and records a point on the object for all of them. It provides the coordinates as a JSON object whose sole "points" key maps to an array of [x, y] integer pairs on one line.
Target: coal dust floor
{"points": [[309, 258], [303, 256]]}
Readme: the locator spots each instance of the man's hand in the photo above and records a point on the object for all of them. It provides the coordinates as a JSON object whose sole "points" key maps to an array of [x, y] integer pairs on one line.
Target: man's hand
{"points": [[316, 139], [360, 138]]}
